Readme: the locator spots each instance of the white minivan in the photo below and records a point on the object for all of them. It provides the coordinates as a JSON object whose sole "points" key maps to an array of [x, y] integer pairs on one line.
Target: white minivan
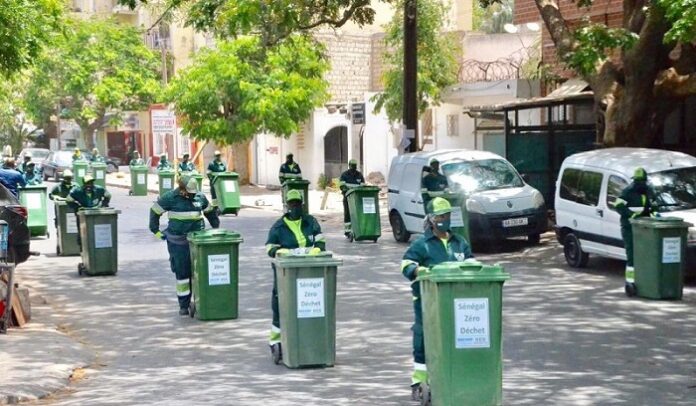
{"points": [[589, 183], [499, 203]]}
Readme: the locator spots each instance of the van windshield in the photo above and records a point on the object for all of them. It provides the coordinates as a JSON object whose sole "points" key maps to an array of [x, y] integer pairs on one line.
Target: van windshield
{"points": [[486, 174], [674, 189]]}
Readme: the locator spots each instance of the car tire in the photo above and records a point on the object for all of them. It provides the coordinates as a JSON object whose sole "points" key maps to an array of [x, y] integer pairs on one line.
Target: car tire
{"points": [[573, 252], [399, 230], [534, 239]]}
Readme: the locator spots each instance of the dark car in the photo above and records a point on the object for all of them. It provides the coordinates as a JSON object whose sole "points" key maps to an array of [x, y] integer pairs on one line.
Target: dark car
{"points": [[112, 163], [38, 156], [58, 161], [16, 217]]}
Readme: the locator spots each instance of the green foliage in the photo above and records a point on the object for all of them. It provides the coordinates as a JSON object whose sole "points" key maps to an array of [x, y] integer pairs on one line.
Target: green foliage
{"points": [[14, 128], [682, 16], [97, 67], [323, 181], [231, 93], [25, 28], [438, 54], [594, 43], [492, 19]]}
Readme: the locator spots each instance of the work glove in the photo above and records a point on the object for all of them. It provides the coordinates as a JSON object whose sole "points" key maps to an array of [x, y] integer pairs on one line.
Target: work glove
{"points": [[281, 252], [314, 251], [161, 236], [421, 270]]}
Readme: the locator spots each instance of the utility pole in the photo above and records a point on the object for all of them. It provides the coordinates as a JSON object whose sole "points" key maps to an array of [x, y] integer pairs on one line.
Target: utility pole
{"points": [[410, 117]]}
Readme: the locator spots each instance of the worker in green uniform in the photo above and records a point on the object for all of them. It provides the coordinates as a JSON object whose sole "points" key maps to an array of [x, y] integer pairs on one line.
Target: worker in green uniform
{"points": [[635, 201], [77, 155], [186, 165], [31, 177], [293, 230], [62, 190], [437, 244], [434, 181], [164, 163], [87, 196], [216, 166], [186, 206], [349, 179], [96, 156], [289, 170], [137, 160], [23, 166]]}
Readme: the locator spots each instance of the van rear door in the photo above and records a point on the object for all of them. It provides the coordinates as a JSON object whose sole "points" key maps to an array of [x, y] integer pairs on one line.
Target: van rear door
{"points": [[411, 199]]}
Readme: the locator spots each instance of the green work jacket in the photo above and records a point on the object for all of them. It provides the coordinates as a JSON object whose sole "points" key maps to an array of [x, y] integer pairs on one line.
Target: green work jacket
{"points": [[289, 171], [282, 236], [435, 182], [185, 215], [216, 167], [61, 190], [632, 204], [79, 198], [350, 178], [187, 166], [164, 165], [33, 178]]}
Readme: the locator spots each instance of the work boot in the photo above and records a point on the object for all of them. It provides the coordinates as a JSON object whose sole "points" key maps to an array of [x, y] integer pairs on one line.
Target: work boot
{"points": [[416, 392], [183, 311]]}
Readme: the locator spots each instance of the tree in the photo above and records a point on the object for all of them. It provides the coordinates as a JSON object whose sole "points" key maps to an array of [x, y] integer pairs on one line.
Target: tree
{"points": [[14, 126], [240, 89], [97, 70], [25, 27], [438, 59], [639, 72], [492, 19]]}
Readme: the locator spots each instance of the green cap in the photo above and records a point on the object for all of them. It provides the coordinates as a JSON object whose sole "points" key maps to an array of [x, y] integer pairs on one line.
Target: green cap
{"points": [[440, 206], [352, 162], [87, 179], [434, 161], [293, 194], [192, 186], [640, 174]]}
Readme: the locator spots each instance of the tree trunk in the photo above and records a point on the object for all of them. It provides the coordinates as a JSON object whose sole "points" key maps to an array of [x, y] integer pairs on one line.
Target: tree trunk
{"points": [[239, 160]]}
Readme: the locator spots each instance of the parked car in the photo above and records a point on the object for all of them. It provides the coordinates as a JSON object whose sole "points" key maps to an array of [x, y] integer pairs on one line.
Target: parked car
{"points": [[112, 163], [38, 156], [499, 203], [589, 183], [16, 217], [56, 163]]}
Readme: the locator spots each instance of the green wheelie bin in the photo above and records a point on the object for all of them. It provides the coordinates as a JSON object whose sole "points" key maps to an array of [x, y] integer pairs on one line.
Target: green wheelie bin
{"points": [[99, 235], [138, 180], [459, 218], [215, 279], [99, 173], [363, 203], [226, 186], [166, 181], [79, 168], [33, 197], [462, 324], [307, 307], [194, 175], [66, 229], [299, 184], [660, 260]]}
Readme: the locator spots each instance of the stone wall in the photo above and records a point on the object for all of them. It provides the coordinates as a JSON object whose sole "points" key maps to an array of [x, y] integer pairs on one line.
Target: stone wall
{"points": [[351, 59]]}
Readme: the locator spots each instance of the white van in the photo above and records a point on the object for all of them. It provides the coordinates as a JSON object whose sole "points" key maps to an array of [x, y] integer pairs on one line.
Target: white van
{"points": [[500, 204], [589, 183]]}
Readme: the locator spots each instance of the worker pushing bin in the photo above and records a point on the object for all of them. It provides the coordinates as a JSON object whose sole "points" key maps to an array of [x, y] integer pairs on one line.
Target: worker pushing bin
{"points": [[215, 265], [459, 216], [307, 304], [226, 186], [462, 323], [66, 229], [363, 203], [166, 181], [659, 263], [138, 180], [99, 234], [33, 197], [79, 168], [297, 184], [99, 173]]}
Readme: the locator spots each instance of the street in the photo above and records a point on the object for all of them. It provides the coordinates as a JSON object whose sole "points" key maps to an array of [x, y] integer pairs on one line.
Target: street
{"points": [[571, 337]]}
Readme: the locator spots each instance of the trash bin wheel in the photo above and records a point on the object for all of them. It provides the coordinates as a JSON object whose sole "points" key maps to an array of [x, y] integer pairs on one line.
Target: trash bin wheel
{"points": [[192, 308], [374, 240], [351, 237], [57, 249], [130, 193], [80, 269], [399, 230], [630, 289], [48, 234], [276, 353], [425, 394]]}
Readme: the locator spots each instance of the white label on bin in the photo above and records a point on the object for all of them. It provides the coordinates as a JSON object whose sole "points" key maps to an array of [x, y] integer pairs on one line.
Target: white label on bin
{"points": [[81, 173], [166, 183], [310, 298], [671, 250], [456, 218], [369, 206], [230, 186], [219, 269], [70, 223], [471, 324], [33, 200], [100, 174], [141, 179], [102, 236]]}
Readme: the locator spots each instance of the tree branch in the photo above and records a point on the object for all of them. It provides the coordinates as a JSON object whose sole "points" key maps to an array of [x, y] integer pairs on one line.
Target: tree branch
{"points": [[669, 83], [633, 15], [557, 26], [347, 15]]}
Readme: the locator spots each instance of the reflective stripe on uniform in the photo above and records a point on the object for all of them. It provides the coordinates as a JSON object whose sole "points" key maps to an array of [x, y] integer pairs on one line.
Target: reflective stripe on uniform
{"points": [[420, 374], [319, 238], [157, 209], [269, 247], [619, 202], [183, 287], [185, 215], [406, 262]]}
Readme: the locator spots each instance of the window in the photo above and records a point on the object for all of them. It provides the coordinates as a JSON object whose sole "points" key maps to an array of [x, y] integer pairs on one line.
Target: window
{"points": [[581, 186], [452, 125], [411, 178], [615, 186]]}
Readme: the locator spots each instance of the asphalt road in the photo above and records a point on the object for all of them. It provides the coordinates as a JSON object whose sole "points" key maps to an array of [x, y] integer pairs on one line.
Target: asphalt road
{"points": [[570, 337]]}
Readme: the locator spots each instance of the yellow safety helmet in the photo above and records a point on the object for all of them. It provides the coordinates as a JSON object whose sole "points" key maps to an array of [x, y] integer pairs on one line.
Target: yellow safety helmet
{"points": [[293, 194], [439, 206], [640, 174]]}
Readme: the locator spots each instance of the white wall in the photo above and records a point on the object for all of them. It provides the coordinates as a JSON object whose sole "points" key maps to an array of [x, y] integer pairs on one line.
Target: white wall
{"points": [[379, 141]]}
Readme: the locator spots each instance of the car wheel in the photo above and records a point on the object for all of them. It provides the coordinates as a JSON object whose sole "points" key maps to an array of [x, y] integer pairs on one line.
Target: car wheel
{"points": [[534, 239], [573, 252], [398, 227]]}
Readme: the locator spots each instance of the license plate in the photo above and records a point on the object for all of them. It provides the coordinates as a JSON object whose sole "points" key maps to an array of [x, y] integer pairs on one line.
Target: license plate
{"points": [[516, 222]]}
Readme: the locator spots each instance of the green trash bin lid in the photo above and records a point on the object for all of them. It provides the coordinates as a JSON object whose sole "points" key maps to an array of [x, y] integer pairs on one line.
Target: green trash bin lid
{"points": [[301, 260], [363, 189], [101, 211], [166, 171], [466, 271], [660, 222], [296, 182], [232, 175], [214, 236]]}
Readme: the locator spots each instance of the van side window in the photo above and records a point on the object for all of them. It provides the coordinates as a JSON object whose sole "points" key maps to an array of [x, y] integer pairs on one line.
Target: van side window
{"points": [[581, 186], [412, 178], [615, 186]]}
